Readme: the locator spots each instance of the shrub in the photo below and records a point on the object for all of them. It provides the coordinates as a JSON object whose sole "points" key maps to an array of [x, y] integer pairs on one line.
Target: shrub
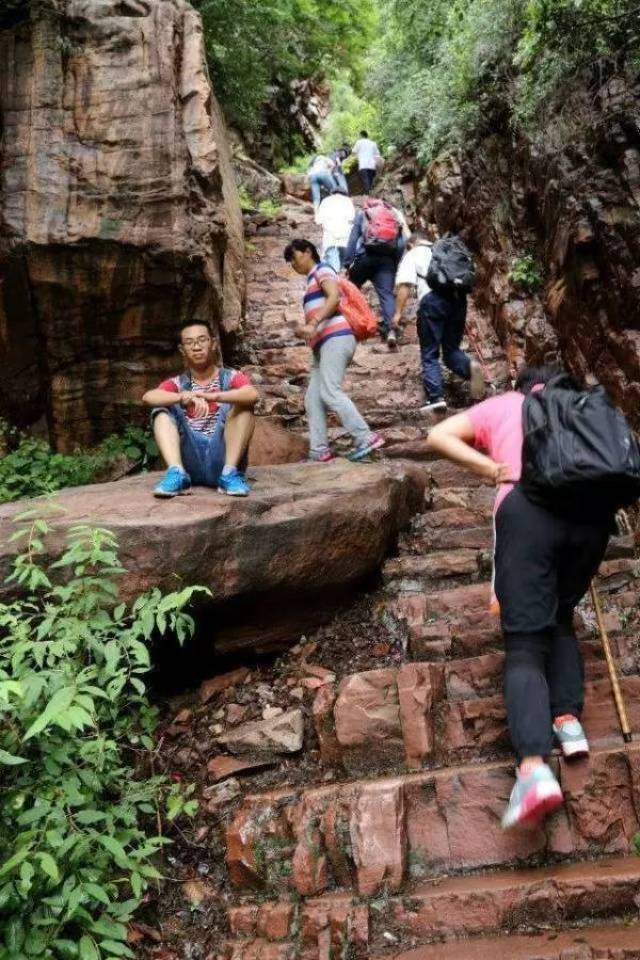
{"points": [[32, 468], [449, 72], [525, 272], [76, 822]]}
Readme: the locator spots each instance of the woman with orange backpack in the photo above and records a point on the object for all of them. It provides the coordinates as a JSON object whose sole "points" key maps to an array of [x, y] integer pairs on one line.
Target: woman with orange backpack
{"points": [[333, 343]]}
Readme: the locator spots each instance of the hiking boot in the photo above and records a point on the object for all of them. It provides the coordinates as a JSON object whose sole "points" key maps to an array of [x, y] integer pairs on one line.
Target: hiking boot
{"points": [[175, 483], [536, 794], [434, 406], [392, 340], [571, 736], [233, 484], [476, 381], [374, 442], [325, 456]]}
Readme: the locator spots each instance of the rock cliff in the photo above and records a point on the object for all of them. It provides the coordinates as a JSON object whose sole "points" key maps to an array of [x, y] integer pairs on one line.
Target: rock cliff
{"points": [[571, 201], [119, 215]]}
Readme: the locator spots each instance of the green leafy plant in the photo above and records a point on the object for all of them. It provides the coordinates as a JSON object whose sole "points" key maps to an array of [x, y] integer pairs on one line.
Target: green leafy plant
{"points": [[447, 72], [267, 207], [78, 834], [31, 468], [525, 272]]}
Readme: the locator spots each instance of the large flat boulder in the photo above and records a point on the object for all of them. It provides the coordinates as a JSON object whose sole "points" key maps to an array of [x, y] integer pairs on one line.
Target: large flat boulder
{"points": [[276, 562]]}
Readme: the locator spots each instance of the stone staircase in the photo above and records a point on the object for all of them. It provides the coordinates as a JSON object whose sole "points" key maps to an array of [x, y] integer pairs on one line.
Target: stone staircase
{"points": [[395, 848]]}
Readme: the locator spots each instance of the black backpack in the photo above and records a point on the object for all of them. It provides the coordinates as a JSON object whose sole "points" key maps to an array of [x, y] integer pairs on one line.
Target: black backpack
{"points": [[451, 269], [580, 456]]}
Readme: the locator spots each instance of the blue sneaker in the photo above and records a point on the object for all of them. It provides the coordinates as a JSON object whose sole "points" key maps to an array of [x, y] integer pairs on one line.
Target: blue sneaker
{"points": [[175, 482], [374, 442], [233, 484]]}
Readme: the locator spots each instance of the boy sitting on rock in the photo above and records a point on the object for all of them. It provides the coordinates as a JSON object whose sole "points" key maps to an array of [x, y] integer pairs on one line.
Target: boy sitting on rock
{"points": [[203, 420]]}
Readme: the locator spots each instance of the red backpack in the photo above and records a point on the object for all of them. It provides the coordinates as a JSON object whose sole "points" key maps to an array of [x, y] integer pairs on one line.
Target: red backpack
{"points": [[381, 227], [356, 311]]}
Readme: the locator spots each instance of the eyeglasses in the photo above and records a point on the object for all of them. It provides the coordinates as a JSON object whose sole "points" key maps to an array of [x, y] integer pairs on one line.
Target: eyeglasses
{"points": [[196, 342]]}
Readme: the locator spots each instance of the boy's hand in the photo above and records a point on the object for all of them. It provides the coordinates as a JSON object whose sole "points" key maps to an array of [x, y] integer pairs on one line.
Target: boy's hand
{"points": [[195, 400]]}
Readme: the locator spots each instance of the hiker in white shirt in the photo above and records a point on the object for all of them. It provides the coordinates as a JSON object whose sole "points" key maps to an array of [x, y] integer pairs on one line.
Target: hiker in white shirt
{"points": [[440, 321], [335, 215], [369, 157]]}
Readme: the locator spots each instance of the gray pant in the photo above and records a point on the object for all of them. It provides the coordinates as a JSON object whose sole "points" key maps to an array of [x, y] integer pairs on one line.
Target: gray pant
{"points": [[325, 392]]}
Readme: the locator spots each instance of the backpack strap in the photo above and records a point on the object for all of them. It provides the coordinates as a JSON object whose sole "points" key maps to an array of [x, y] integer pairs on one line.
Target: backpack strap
{"points": [[226, 376]]}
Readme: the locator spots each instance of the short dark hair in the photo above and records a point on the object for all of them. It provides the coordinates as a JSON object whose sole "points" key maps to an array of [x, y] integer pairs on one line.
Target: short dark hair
{"points": [[303, 246], [529, 377], [363, 133], [195, 323]]}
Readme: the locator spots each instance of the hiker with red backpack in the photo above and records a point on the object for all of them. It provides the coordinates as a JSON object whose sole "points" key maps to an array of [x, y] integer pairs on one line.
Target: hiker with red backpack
{"points": [[442, 274], [564, 461], [372, 254], [333, 341]]}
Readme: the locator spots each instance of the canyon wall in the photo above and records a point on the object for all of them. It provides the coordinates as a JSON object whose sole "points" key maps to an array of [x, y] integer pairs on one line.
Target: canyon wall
{"points": [[572, 202], [119, 214]]}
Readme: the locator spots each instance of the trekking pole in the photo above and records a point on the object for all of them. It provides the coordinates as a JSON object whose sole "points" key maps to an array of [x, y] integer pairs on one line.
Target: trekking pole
{"points": [[613, 673], [481, 359]]}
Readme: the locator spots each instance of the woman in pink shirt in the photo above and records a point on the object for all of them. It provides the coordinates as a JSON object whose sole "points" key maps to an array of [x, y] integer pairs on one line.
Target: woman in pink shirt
{"points": [[543, 565]]}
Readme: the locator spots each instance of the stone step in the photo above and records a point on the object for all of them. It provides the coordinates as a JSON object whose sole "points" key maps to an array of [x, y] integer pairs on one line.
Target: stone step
{"points": [[415, 571], [613, 942], [454, 907], [434, 713], [471, 906], [459, 528], [410, 571], [458, 622], [367, 836]]}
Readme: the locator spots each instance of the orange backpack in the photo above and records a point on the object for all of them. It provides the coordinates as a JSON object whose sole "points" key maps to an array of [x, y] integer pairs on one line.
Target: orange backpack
{"points": [[356, 311]]}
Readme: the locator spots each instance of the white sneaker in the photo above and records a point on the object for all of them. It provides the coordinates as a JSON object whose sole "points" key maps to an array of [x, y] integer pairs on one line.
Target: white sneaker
{"points": [[478, 386], [434, 406]]}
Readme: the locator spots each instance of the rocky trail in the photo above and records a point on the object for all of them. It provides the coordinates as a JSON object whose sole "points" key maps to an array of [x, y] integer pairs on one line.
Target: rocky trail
{"points": [[381, 838]]}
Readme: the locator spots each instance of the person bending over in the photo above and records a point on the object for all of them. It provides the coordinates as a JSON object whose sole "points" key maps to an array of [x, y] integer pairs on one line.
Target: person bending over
{"points": [[543, 565], [202, 420]]}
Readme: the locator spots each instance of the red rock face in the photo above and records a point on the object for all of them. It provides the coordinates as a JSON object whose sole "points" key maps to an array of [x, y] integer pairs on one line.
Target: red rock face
{"points": [[119, 215], [576, 211]]}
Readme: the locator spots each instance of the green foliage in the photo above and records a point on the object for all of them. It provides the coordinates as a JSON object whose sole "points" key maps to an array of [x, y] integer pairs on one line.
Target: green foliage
{"points": [[525, 272], [32, 468], [76, 854], [349, 113], [268, 207], [446, 72], [255, 50]]}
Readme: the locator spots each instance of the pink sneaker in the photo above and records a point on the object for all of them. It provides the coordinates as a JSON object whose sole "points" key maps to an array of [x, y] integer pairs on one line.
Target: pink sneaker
{"points": [[326, 456], [535, 795]]}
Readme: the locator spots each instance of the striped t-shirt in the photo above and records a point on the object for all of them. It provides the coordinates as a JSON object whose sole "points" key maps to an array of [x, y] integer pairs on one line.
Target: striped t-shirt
{"points": [[314, 299], [207, 423]]}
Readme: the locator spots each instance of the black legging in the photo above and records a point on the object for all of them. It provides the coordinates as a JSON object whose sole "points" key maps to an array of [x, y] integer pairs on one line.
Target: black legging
{"points": [[543, 679]]}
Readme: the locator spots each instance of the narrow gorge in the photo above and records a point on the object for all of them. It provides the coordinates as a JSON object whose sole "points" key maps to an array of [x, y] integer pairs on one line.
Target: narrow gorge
{"points": [[338, 713]]}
